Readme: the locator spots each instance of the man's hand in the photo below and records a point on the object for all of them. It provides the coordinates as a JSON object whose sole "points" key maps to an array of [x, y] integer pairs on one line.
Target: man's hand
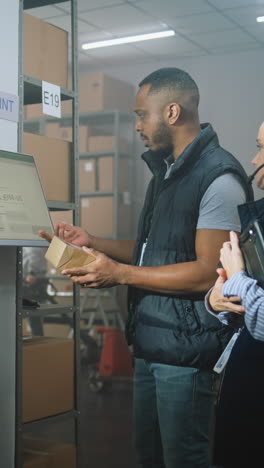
{"points": [[218, 302], [231, 256], [102, 273], [74, 234], [45, 235]]}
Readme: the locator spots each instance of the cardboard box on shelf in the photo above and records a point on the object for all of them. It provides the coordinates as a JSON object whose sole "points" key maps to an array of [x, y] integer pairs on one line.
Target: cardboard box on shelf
{"points": [[56, 330], [64, 255], [66, 106], [45, 51], [48, 377], [65, 133], [97, 216], [87, 175], [65, 216], [52, 157], [52, 129], [34, 111], [42, 453], [102, 171], [106, 174], [104, 143], [99, 92]]}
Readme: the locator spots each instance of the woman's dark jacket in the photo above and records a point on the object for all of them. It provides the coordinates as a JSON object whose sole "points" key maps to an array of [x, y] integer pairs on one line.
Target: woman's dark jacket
{"points": [[166, 328]]}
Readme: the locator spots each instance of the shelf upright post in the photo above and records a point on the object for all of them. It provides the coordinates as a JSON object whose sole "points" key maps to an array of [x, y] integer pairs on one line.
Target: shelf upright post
{"points": [[76, 216]]}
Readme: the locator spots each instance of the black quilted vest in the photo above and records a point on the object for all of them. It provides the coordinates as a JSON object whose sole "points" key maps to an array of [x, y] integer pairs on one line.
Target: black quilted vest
{"points": [[174, 329]]}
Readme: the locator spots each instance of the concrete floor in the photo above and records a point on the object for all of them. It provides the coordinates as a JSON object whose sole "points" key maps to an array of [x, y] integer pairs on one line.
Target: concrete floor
{"points": [[105, 427]]}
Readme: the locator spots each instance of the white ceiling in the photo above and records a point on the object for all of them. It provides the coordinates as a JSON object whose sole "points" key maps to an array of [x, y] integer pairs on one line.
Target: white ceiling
{"points": [[203, 27]]}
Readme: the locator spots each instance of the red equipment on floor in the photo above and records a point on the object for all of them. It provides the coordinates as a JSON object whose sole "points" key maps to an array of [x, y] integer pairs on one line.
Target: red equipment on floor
{"points": [[116, 358]]}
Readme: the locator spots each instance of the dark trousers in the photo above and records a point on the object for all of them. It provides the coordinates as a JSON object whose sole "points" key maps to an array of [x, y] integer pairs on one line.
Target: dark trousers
{"points": [[240, 410]]}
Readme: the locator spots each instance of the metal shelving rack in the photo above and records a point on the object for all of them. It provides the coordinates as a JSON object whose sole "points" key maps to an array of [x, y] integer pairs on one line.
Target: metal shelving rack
{"points": [[29, 93], [114, 119]]}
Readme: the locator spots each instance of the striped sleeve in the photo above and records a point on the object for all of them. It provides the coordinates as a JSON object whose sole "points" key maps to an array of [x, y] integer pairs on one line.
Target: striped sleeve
{"points": [[227, 318], [252, 297]]}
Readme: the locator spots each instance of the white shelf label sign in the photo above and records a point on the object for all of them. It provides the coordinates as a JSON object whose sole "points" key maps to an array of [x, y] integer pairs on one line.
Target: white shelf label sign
{"points": [[8, 106], [51, 99]]}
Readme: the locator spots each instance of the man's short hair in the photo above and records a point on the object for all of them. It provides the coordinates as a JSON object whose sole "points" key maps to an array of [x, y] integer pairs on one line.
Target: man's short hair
{"points": [[172, 79]]}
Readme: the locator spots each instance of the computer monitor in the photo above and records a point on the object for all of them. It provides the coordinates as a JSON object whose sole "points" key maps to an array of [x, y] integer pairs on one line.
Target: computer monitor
{"points": [[23, 208]]}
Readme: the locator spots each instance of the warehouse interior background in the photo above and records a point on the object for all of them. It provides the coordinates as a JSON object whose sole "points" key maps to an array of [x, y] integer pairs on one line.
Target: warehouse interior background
{"points": [[220, 43]]}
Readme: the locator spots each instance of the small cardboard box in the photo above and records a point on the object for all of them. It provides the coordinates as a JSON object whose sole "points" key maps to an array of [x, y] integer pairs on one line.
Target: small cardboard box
{"points": [[65, 255], [52, 129], [41, 453], [47, 377], [104, 143], [97, 216], [98, 92], [87, 175], [98, 175], [52, 157], [56, 330], [85, 131], [106, 174], [45, 51]]}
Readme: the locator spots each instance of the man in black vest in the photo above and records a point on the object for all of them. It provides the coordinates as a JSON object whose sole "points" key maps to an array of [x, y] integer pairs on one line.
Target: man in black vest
{"points": [[189, 209]]}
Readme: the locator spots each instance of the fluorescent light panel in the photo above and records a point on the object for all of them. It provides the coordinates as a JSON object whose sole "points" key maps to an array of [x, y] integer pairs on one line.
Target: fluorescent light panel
{"points": [[128, 40], [260, 19]]}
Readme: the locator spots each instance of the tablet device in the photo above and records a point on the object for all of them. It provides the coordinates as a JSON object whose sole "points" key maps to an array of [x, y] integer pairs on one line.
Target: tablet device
{"points": [[252, 247], [23, 208]]}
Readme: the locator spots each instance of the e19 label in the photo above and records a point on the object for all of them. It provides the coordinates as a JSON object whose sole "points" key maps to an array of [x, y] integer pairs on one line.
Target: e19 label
{"points": [[51, 99]]}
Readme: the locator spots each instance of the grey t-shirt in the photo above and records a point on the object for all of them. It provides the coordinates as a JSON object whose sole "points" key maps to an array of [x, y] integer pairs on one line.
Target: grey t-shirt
{"points": [[218, 208]]}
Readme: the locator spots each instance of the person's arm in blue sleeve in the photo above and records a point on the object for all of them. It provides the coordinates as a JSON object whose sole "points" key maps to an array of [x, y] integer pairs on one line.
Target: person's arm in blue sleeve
{"points": [[227, 310], [252, 297]]}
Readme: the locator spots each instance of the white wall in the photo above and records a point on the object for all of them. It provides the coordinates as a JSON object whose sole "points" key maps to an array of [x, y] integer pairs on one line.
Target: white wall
{"points": [[8, 141], [232, 99], [9, 67]]}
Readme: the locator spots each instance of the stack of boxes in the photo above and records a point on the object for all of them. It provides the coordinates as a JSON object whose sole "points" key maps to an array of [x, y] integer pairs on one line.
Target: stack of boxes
{"points": [[97, 93], [47, 363], [46, 58]]}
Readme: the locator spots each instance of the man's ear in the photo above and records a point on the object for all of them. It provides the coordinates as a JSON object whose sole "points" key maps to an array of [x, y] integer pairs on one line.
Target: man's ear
{"points": [[173, 112]]}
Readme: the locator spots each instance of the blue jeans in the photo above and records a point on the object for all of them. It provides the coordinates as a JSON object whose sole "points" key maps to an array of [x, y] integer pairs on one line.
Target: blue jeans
{"points": [[173, 415]]}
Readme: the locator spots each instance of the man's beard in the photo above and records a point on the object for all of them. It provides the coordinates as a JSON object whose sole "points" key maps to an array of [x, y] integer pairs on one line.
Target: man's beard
{"points": [[163, 140]]}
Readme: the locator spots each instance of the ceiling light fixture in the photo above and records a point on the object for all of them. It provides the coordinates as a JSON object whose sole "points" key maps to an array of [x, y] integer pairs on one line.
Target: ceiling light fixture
{"points": [[128, 39], [260, 19]]}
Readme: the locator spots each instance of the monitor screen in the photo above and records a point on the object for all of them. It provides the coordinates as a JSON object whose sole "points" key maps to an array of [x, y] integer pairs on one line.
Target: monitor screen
{"points": [[23, 208]]}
